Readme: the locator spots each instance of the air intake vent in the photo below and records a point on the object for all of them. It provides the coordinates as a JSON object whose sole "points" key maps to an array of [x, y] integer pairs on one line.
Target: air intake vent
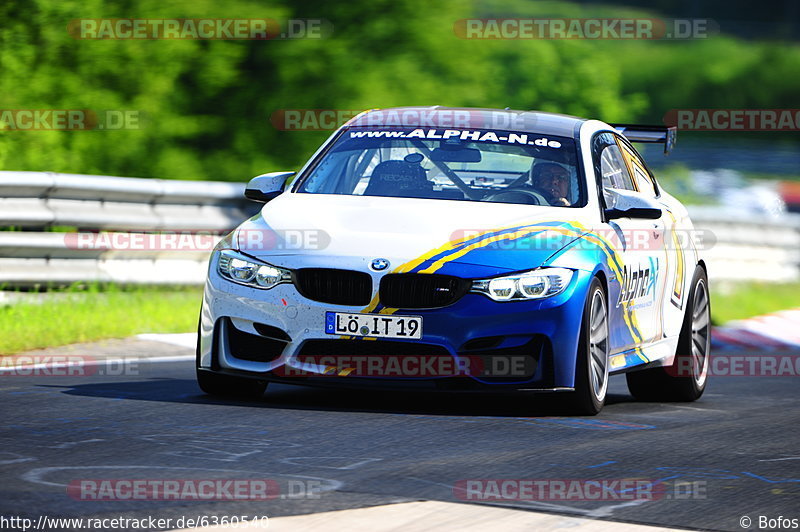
{"points": [[246, 346], [337, 287], [420, 290]]}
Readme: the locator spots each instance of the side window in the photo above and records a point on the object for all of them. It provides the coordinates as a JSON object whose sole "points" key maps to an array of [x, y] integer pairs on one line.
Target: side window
{"points": [[642, 179], [610, 164]]}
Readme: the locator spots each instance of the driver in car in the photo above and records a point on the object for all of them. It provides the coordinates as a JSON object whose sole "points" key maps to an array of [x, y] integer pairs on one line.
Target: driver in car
{"points": [[551, 181]]}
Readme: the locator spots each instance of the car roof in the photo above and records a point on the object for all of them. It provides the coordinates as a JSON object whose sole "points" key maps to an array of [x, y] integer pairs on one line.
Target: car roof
{"points": [[470, 117]]}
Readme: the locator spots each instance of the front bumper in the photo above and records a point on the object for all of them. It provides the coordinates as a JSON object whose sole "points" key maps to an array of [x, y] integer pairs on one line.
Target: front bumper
{"points": [[278, 335]]}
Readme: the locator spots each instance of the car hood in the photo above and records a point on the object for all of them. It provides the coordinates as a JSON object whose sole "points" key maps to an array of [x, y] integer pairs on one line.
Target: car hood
{"points": [[325, 230]]}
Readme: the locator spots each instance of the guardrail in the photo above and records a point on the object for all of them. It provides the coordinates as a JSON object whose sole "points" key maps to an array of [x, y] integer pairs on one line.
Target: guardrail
{"points": [[744, 246], [35, 201], [748, 246]]}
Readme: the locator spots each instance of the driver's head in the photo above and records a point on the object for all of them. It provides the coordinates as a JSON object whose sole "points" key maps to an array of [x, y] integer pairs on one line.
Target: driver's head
{"points": [[551, 178]]}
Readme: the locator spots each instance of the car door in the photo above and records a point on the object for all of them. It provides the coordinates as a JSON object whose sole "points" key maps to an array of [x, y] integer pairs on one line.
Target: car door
{"points": [[675, 239], [636, 298]]}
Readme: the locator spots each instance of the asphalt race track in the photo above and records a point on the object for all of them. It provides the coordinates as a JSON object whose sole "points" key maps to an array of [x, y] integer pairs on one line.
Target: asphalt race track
{"points": [[734, 453]]}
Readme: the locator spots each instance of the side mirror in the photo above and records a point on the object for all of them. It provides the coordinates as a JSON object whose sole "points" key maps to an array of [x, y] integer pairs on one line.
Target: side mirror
{"points": [[266, 187], [629, 204]]}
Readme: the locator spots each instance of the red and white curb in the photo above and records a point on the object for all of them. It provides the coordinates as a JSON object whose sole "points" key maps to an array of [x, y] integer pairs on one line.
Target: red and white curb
{"points": [[779, 331]]}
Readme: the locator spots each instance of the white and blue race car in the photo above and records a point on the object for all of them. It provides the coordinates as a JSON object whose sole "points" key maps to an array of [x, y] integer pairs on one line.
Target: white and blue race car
{"points": [[467, 250]]}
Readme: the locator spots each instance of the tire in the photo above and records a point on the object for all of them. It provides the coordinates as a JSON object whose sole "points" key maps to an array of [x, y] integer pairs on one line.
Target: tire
{"points": [[591, 367], [685, 379], [226, 385]]}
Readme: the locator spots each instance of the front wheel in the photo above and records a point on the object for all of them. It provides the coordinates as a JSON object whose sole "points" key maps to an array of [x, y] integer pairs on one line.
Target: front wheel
{"points": [[685, 379], [591, 369]]}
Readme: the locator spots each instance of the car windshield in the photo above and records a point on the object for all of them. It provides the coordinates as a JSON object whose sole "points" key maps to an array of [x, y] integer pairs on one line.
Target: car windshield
{"points": [[450, 164]]}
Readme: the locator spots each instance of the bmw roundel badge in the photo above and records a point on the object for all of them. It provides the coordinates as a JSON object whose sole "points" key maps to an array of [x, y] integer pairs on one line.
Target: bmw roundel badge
{"points": [[379, 264]]}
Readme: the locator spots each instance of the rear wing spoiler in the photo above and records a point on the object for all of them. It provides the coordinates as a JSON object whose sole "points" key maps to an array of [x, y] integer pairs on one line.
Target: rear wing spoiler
{"points": [[638, 133]]}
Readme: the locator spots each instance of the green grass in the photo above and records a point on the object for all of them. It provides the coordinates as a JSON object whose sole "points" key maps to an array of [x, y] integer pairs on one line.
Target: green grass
{"points": [[745, 300], [94, 313]]}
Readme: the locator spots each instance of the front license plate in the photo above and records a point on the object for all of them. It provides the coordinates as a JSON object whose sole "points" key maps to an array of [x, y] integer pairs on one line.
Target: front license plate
{"points": [[374, 325]]}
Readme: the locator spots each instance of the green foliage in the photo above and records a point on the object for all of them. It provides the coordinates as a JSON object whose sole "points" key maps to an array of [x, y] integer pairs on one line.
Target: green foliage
{"points": [[206, 105]]}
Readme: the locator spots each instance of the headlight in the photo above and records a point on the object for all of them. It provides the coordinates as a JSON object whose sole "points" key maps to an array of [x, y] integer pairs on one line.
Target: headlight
{"points": [[244, 270], [534, 284]]}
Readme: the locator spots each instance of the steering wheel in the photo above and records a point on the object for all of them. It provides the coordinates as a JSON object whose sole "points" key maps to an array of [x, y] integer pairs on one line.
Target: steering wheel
{"points": [[510, 193]]}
